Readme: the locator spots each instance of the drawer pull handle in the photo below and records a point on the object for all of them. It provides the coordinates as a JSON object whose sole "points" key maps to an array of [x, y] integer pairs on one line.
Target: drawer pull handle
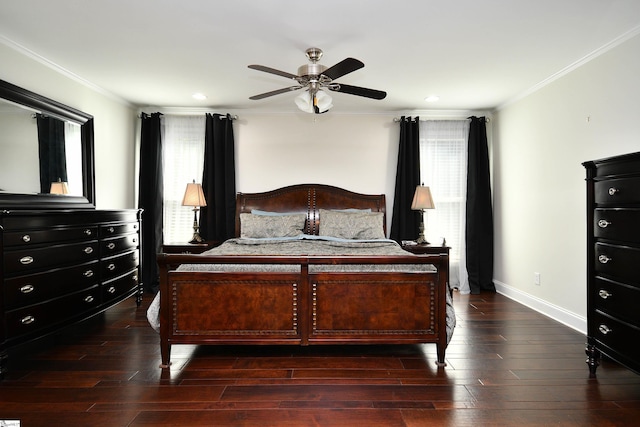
{"points": [[111, 229], [27, 289], [111, 290], [135, 226], [88, 232], [603, 223], [26, 260], [27, 320], [111, 267], [111, 245], [88, 273], [135, 279], [26, 238], [604, 329], [135, 240], [88, 298], [604, 259], [613, 191], [88, 250], [604, 294]]}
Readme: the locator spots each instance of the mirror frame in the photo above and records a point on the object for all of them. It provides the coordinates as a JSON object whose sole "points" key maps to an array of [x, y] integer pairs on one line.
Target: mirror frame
{"points": [[34, 101]]}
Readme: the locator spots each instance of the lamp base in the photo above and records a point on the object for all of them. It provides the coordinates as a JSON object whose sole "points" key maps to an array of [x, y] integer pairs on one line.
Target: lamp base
{"points": [[196, 228], [197, 238], [422, 240]]}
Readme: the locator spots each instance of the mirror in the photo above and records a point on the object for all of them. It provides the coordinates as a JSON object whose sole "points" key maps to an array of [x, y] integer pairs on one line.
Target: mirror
{"points": [[46, 153]]}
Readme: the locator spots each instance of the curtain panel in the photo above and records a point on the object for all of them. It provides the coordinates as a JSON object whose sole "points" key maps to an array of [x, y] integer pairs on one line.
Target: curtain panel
{"points": [[183, 154], [479, 223], [443, 167], [51, 150], [150, 198], [217, 219], [405, 222]]}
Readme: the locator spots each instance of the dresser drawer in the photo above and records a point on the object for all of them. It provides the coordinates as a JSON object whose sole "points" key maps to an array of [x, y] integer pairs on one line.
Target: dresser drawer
{"points": [[617, 335], [616, 299], [119, 244], [617, 191], [118, 265], [617, 224], [618, 261], [27, 238], [36, 317], [117, 229], [26, 260], [119, 286], [33, 288]]}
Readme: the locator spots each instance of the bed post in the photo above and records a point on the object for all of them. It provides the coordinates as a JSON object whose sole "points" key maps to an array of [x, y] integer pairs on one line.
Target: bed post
{"points": [[165, 301], [443, 288]]}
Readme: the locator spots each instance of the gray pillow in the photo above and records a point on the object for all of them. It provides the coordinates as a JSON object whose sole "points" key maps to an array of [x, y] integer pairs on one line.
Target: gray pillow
{"points": [[263, 226], [351, 225]]}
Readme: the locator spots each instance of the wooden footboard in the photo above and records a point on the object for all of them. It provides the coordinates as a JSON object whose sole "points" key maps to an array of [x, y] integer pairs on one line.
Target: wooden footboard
{"points": [[305, 307]]}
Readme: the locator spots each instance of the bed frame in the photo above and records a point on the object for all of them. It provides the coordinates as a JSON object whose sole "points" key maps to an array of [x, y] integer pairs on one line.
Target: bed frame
{"points": [[303, 308]]}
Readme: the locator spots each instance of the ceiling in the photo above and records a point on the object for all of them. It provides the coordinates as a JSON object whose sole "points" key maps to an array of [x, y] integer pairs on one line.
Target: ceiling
{"points": [[475, 55]]}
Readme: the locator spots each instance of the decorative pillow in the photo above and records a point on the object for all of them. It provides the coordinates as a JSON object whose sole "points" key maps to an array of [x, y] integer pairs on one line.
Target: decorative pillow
{"points": [[261, 226], [351, 225]]}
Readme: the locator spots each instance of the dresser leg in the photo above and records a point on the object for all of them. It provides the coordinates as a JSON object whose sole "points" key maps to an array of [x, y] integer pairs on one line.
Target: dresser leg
{"points": [[593, 359]]}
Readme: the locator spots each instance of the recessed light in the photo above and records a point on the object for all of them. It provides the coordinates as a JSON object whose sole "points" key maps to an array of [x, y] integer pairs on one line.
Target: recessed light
{"points": [[432, 98], [199, 96]]}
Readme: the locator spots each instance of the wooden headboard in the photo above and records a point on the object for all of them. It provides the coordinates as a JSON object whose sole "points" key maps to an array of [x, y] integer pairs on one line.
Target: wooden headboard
{"points": [[308, 199]]}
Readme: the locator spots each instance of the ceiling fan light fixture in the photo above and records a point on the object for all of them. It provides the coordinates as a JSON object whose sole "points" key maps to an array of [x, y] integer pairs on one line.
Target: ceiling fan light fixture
{"points": [[303, 101], [321, 103]]}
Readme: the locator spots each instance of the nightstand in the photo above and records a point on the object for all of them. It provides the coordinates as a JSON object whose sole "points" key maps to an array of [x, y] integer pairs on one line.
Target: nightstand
{"points": [[426, 249], [188, 248], [422, 249]]}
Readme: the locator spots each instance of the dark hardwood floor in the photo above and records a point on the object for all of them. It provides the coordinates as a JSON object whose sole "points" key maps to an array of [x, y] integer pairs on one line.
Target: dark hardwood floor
{"points": [[507, 366]]}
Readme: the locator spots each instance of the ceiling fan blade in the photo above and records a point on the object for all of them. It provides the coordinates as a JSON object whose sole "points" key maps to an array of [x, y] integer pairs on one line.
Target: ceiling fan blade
{"points": [[343, 67], [275, 92], [360, 91], [273, 71]]}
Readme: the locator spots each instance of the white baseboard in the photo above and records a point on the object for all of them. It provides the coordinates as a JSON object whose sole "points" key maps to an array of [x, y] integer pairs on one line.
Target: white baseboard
{"points": [[572, 320]]}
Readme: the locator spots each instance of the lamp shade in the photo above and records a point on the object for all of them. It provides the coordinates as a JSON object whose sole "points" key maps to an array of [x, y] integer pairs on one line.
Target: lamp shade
{"points": [[321, 102], [303, 101], [422, 199], [193, 195], [59, 187]]}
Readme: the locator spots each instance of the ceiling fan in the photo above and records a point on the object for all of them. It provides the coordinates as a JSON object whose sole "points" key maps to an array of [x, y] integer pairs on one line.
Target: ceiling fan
{"points": [[316, 79]]}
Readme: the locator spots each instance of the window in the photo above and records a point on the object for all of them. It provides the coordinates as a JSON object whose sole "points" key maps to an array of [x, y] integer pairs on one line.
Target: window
{"points": [[443, 167], [183, 159]]}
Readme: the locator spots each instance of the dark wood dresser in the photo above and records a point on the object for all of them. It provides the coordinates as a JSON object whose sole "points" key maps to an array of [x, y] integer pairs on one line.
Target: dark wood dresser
{"points": [[613, 260], [63, 266]]}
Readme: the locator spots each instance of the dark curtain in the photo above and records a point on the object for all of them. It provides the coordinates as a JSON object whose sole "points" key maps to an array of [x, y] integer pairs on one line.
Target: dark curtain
{"points": [[405, 222], [217, 219], [150, 198], [51, 149], [479, 224]]}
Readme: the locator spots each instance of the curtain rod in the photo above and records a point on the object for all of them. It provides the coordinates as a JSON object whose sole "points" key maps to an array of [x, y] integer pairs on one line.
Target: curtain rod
{"points": [[398, 119], [230, 116]]}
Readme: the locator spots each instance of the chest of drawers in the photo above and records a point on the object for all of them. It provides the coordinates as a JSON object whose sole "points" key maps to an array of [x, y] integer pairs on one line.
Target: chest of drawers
{"points": [[613, 257], [61, 267]]}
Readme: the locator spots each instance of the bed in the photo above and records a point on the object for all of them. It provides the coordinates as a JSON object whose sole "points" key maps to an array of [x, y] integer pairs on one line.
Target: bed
{"points": [[310, 266]]}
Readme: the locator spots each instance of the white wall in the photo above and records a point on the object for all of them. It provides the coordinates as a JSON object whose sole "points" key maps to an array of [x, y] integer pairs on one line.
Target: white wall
{"points": [[114, 123], [539, 144], [357, 152]]}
